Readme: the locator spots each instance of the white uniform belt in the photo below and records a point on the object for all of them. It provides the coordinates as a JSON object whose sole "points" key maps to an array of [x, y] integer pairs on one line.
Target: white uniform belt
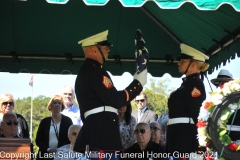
{"points": [[233, 128], [100, 109], [180, 120]]}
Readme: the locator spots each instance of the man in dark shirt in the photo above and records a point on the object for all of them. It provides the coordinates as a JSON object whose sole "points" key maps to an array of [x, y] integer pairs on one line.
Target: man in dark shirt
{"points": [[9, 125], [144, 148], [99, 99]]}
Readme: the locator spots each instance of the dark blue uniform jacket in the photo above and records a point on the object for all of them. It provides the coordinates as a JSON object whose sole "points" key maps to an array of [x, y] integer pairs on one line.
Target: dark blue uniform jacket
{"points": [[185, 102], [94, 88]]}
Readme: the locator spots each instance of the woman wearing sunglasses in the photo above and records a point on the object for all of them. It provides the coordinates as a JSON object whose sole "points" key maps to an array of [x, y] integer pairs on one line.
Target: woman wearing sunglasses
{"points": [[7, 103], [53, 130], [127, 124], [156, 135], [184, 105], [9, 125]]}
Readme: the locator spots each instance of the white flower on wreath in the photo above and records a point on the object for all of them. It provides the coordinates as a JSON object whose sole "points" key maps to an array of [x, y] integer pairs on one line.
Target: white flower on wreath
{"points": [[235, 87], [218, 91], [202, 130], [226, 89], [234, 106], [216, 98], [202, 140]]}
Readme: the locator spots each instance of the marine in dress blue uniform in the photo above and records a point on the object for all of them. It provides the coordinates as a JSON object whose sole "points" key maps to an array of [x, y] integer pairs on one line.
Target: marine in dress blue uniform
{"points": [[99, 99], [184, 104]]}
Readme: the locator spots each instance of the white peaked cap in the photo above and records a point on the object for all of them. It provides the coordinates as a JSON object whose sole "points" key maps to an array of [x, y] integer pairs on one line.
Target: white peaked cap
{"points": [[195, 54], [93, 40]]}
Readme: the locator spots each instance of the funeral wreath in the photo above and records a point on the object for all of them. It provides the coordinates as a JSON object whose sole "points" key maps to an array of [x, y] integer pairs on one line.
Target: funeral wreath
{"points": [[213, 132]]}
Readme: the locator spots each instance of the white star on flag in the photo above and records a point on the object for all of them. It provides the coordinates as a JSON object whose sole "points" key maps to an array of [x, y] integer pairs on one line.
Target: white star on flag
{"points": [[141, 52], [145, 62]]}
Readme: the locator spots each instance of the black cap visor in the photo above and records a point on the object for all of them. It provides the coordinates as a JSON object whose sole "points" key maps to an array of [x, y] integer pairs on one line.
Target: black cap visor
{"points": [[104, 43], [184, 56]]}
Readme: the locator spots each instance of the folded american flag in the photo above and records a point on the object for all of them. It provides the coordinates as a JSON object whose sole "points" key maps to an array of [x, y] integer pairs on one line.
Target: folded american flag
{"points": [[141, 52]]}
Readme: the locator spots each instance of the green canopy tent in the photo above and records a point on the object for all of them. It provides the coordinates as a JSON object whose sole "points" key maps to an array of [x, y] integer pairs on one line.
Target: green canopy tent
{"points": [[39, 36]]}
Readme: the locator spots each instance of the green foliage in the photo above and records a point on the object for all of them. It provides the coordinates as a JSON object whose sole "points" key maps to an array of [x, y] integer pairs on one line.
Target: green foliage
{"points": [[40, 111], [23, 107], [157, 95]]}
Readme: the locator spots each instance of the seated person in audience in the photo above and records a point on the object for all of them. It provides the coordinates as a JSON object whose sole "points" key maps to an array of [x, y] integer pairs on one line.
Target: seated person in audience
{"points": [[144, 146], [127, 124], [9, 125], [156, 135], [7, 105], [66, 151], [162, 120]]}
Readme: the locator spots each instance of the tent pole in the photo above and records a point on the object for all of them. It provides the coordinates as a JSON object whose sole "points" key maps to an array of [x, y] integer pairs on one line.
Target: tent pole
{"points": [[160, 25]]}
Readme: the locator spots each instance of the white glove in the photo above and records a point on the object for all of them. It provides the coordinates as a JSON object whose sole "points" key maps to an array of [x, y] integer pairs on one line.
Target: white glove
{"points": [[141, 77]]}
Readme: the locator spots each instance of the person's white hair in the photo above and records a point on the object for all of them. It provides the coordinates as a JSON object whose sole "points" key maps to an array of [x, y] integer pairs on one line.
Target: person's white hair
{"points": [[157, 123], [73, 126], [69, 87]]}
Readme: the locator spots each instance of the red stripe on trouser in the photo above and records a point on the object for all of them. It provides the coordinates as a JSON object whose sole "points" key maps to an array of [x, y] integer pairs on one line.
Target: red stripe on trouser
{"points": [[100, 158], [184, 158]]}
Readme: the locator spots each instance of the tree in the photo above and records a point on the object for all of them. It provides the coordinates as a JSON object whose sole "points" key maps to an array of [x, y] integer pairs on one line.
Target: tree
{"points": [[23, 107], [157, 95], [40, 111]]}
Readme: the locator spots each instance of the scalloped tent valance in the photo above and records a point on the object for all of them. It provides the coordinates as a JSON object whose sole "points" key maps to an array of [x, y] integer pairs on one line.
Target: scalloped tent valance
{"points": [[38, 36], [163, 4]]}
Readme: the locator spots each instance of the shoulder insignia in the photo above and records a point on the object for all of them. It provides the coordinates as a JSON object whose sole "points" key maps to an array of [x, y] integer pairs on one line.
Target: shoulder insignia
{"points": [[196, 92], [107, 82]]}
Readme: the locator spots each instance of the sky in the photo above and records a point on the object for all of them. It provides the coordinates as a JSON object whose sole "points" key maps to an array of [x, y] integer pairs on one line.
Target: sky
{"points": [[49, 84]]}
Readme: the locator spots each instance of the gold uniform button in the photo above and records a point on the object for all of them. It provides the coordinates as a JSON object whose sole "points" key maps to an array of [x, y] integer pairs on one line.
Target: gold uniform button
{"points": [[113, 120], [130, 90], [134, 87]]}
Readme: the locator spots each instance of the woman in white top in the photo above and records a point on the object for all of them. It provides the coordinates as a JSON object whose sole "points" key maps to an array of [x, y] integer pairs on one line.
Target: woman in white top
{"points": [[53, 131], [127, 124]]}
